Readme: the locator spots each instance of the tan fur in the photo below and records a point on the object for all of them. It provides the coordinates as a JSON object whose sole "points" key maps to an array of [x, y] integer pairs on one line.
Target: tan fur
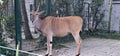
{"points": [[59, 26]]}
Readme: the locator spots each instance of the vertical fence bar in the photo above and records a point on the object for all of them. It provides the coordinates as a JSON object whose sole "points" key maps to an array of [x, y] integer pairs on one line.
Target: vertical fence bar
{"points": [[18, 23], [48, 7]]}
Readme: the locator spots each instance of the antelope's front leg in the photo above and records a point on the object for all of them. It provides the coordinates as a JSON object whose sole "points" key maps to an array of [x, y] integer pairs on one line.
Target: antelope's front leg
{"points": [[49, 46]]}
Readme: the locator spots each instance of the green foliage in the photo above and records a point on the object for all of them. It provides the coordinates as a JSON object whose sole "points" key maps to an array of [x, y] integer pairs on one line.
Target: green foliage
{"points": [[107, 35], [63, 7], [78, 6], [10, 25], [2, 43], [101, 34], [5, 51], [97, 14], [5, 20]]}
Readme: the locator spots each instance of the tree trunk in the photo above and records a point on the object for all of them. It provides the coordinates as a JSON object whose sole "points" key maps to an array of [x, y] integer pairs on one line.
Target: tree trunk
{"points": [[9, 7], [26, 28], [1, 30], [71, 8], [110, 14]]}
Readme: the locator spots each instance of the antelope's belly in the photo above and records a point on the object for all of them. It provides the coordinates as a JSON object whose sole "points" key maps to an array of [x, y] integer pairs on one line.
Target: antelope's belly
{"points": [[60, 34]]}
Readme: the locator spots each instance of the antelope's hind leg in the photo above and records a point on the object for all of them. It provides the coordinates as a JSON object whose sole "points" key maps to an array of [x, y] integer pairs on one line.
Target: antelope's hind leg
{"points": [[78, 41]]}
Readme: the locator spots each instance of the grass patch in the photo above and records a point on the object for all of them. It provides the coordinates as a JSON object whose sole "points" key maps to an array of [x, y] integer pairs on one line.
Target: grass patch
{"points": [[107, 35]]}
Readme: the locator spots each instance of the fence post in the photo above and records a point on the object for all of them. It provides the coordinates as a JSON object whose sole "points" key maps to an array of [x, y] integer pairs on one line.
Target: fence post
{"points": [[48, 7], [18, 23]]}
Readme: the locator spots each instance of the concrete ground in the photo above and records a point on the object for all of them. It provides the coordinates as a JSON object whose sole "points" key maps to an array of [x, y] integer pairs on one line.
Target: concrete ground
{"points": [[90, 47]]}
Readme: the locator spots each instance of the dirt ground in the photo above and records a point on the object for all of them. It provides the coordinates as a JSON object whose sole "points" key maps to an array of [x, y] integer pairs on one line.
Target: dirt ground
{"points": [[90, 47]]}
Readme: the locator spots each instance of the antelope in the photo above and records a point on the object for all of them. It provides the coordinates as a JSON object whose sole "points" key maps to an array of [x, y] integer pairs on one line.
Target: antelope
{"points": [[58, 26]]}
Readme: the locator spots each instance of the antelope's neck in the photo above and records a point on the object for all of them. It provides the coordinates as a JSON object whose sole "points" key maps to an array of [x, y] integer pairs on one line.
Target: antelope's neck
{"points": [[38, 23]]}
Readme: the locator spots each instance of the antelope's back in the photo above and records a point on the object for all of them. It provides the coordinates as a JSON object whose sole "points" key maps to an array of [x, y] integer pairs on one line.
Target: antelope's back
{"points": [[75, 23]]}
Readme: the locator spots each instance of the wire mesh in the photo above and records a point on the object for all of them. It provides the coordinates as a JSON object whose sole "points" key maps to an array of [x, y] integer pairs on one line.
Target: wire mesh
{"points": [[6, 51]]}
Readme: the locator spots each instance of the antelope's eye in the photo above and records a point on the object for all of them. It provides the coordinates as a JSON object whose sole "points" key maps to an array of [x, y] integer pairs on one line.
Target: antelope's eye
{"points": [[36, 14], [31, 14]]}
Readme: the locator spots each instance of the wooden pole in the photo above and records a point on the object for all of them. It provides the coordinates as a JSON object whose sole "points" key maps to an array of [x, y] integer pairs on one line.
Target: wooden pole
{"points": [[110, 14]]}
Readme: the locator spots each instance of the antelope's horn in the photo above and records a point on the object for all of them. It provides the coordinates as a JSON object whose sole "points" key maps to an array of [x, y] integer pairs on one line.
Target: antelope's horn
{"points": [[38, 7], [33, 8], [41, 12]]}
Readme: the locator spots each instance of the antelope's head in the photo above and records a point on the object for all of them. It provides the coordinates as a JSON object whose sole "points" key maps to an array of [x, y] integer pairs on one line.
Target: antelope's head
{"points": [[36, 14]]}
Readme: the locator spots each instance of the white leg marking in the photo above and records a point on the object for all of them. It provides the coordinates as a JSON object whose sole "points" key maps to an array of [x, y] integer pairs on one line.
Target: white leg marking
{"points": [[49, 45]]}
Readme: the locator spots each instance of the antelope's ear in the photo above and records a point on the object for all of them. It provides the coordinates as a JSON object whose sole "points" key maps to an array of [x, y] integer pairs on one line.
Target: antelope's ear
{"points": [[32, 12]]}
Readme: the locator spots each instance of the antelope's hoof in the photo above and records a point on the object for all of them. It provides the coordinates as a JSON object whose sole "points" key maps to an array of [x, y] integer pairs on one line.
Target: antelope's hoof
{"points": [[35, 32], [78, 54], [46, 54]]}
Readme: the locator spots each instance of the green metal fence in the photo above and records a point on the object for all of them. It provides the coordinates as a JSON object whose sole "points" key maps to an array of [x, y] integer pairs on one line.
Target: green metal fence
{"points": [[6, 51]]}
